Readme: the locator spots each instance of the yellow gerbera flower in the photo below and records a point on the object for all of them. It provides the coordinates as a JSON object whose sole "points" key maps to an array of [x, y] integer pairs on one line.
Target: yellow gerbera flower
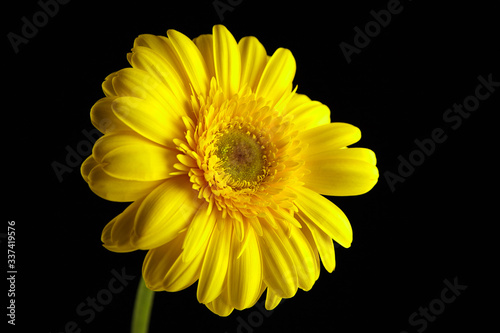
{"points": [[226, 166]]}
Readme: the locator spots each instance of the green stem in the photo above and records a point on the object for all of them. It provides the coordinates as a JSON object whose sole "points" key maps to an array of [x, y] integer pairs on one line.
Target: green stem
{"points": [[142, 308]]}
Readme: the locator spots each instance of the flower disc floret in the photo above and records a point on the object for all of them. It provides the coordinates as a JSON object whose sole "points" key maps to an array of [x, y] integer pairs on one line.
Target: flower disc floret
{"points": [[241, 157]]}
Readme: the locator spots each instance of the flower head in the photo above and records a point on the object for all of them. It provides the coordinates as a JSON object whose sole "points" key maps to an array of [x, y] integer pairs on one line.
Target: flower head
{"points": [[225, 166]]}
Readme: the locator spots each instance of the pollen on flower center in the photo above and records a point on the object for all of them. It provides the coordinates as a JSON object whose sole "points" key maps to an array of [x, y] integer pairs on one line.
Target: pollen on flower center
{"points": [[241, 156]]}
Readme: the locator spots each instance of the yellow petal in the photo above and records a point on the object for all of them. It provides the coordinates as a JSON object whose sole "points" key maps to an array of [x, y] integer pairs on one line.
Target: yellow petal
{"points": [[159, 261], [314, 248], [253, 61], [220, 306], [137, 83], [310, 114], [104, 119], [279, 270], [192, 61], [277, 76], [205, 44], [328, 137], [129, 156], [282, 103], [323, 243], [164, 268], [342, 172], [316, 209], [214, 270], [155, 43], [296, 101], [227, 60], [107, 85], [302, 255], [109, 142], [164, 47], [199, 232], [272, 299], [144, 162], [87, 166], [118, 234], [149, 60], [244, 272], [120, 190], [166, 211], [149, 119]]}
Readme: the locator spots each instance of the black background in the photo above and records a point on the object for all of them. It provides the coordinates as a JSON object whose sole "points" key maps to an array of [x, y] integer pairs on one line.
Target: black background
{"points": [[436, 225]]}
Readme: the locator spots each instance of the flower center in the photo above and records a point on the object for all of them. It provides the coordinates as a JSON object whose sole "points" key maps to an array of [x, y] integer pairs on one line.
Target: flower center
{"points": [[241, 157]]}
